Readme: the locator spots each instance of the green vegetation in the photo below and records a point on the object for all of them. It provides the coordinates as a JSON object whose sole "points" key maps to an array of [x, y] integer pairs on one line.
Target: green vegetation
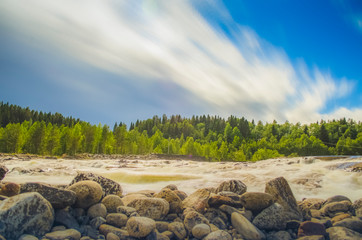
{"points": [[212, 137]]}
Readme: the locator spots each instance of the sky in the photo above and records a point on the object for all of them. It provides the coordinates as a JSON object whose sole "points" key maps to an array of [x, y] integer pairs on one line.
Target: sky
{"points": [[107, 61]]}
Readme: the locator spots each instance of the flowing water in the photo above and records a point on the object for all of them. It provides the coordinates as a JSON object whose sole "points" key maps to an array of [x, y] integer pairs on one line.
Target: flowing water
{"points": [[307, 176]]}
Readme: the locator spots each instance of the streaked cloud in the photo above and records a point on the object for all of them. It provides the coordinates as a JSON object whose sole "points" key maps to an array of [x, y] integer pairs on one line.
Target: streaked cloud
{"points": [[158, 42]]}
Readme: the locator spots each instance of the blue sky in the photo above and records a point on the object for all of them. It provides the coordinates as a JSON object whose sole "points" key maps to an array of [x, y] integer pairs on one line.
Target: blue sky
{"points": [[106, 61]]}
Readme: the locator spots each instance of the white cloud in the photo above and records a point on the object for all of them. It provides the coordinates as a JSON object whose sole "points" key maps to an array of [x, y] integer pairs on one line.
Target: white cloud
{"points": [[158, 41]]}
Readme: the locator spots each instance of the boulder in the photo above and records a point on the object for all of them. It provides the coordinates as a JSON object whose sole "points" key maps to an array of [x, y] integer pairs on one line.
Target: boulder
{"points": [[218, 200], [65, 234], [140, 227], [155, 208], [172, 198], [336, 198], [109, 186], [105, 229], [59, 198], [272, 218], [112, 202], [256, 201], [117, 219], [337, 233], [282, 193], [25, 213], [354, 224], [197, 200], [88, 193], [201, 230], [10, 189], [340, 217], [178, 229], [218, 235], [333, 208], [245, 228], [97, 210], [235, 186], [192, 218], [357, 207], [309, 228], [3, 171]]}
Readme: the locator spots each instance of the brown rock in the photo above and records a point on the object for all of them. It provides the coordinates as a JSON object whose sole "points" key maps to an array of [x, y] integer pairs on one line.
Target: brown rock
{"points": [[337, 233], [336, 198], [218, 200], [112, 236], [235, 186], [140, 226], [333, 208], [192, 218], [155, 208], [65, 234], [256, 201], [354, 224], [88, 193], [172, 198], [340, 217], [117, 219], [201, 230], [178, 230], [247, 230], [10, 189], [357, 207], [130, 197], [3, 171], [197, 200], [105, 229], [97, 210], [309, 228], [218, 235], [112, 202]]}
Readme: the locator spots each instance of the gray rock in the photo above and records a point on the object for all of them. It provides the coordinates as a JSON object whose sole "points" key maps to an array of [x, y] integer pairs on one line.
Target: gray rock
{"points": [[66, 218], [178, 230], [117, 219], [155, 208], [337, 233], [333, 208], [109, 186], [140, 226], [256, 201], [192, 218], [197, 200], [59, 198], [282, 193], [272, 218], [65, 234], [245, 228], [201, 230], [25, 213], [97, 222], [280, 235], [88, 193], [354, 224], [235, 186], [218, 235]]}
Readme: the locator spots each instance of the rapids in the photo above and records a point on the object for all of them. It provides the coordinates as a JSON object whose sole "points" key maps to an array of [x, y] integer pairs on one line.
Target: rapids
{"points": [[307, 176]]}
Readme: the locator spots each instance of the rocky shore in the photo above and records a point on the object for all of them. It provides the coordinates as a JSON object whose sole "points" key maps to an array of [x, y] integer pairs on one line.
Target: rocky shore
{"points": [[94, 207]]}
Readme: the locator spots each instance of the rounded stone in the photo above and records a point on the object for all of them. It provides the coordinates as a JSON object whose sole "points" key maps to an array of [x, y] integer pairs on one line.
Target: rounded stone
{"points": [[192, 218], [112, 236], [10, 189], [97, 210], [88, 193], [112, 202], [256, 201], [66, 234], [174, 201], [155, 208], [201, 230], [178, 229], [140, 226], [117, 219], [235, 186], [218, 235], [311, 228]]}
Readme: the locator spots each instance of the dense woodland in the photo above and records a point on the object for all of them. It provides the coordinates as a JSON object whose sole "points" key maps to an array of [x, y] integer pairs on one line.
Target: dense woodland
{"points": [[27, 131]]}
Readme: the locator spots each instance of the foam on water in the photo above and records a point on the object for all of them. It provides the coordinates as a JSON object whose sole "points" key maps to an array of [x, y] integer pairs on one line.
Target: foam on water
{"points": [[308, 177]]}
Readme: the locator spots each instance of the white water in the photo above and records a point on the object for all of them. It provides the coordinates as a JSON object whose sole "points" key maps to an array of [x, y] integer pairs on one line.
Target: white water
{"points": [[308, 177]]}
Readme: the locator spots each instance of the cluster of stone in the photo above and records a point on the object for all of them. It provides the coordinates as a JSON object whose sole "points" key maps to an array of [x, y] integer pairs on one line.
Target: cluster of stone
{"points": [[93, 207]]}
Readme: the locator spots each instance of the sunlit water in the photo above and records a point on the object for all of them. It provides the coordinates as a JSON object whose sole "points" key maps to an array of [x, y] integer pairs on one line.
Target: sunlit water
{"points": [[308, 177]]}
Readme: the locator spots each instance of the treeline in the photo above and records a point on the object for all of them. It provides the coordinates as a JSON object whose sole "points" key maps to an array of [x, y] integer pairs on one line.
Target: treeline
{"points": [[212, 137]]}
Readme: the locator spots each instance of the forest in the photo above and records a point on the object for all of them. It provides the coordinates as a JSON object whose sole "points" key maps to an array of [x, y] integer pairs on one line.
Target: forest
{"points": [[216, 139]]}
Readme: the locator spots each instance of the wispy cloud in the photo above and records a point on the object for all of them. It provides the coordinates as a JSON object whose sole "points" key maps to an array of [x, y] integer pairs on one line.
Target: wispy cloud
{"points": [[158, 42]]}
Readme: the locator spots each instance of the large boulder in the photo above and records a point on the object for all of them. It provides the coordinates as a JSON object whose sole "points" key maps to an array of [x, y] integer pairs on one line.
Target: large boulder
{"points": [[59, 198], [3, 171], [88, 193], [256, 201], [172, 198], [109, 186], [235, 186], [337, 233], [245, 228], [140, 227], [25, 213], [272, 218], [155, 208], [282, 193], [197, 200]]}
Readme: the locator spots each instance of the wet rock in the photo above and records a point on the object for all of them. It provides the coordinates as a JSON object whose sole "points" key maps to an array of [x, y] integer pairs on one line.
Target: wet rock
{"points": [[217, 217], [357, 207], [128, 211], [256, 201], [66, 234], [130, 197], [112, 202], [311, 203], [218, 200], [340, 217], [336, 198], [218, 235], [88, 193], [109, 186], [182, 195], [3, 171], [272, 218], [174, 201], [280, 190], [97, 222], [117, 219], [178, 229], [280, 235], [201, 230], [155, 208], [333, 208], [309, 228], [337, 233], [192, 218], [25, 213], [10, 189], [231, 195], [27, 237], [59, 198], [97, 210], [354, 224], [197, 200], [66, 218], [106, 229], [235, 186], [245, 228], [140, 226], [172, 187]]}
